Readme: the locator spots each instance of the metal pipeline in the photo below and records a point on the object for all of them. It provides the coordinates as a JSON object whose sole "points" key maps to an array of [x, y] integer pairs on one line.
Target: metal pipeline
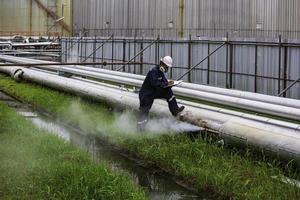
{"points": [[257, 106], [222, 91], [220, 110], [279, 140], [277, 106]]}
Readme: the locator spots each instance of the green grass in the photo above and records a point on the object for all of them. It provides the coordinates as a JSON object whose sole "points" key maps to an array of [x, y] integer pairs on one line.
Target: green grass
{"points": [[206, 167], [35, 164]]}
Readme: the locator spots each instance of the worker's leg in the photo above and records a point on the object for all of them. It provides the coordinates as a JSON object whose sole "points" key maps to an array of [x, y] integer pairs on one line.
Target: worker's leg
{"points": [[170, 97], [145, 106]]}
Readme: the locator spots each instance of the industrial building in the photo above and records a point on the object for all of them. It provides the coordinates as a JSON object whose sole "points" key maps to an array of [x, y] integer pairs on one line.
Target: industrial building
{"points": [[214, 83]]}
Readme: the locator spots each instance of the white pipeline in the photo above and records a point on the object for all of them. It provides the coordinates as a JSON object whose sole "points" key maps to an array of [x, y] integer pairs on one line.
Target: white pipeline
{"points": [[276, 106], [277, 139]]}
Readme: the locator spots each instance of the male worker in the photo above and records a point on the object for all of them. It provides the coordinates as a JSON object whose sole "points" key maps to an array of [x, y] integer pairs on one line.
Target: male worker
{"points": [[157, 86]]}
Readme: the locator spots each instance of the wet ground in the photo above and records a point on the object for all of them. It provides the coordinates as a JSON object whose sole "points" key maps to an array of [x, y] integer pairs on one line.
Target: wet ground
{"points": [[158, 184]]}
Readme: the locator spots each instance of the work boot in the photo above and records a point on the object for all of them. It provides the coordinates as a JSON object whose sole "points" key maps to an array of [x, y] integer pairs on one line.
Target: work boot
{"points": [[179, 110], [141, 126]]}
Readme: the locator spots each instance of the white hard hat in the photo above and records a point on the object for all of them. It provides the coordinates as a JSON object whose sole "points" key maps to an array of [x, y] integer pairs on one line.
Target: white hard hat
{"points": [[167, 60]]}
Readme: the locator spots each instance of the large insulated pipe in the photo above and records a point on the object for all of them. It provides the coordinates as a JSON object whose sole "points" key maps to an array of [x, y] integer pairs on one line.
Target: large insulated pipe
{"points": [[215, 90], [228, 92], [257, 106], [282, 141], [197, 105]]}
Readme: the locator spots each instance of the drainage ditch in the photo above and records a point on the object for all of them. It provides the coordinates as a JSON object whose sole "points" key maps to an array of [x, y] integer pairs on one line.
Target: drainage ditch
{"points": [[157, 184]]}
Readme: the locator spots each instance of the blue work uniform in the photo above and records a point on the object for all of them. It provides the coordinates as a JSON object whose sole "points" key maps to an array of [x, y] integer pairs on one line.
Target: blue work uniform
{"points": [[155, 87]]}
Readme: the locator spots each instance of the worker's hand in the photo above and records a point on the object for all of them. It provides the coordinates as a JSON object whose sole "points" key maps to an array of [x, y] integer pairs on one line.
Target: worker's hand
{"points": [[170, 82]]}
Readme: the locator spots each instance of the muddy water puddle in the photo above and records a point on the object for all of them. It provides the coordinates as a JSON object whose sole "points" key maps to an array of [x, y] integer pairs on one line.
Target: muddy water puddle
{"points": [[157, 185]]}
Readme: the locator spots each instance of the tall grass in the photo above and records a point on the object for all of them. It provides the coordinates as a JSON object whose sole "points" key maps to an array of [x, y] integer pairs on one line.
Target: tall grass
{"points": [[206, 167], [37, 165]]}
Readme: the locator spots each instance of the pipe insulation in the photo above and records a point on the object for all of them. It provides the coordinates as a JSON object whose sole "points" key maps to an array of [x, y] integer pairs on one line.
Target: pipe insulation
{"points": [[85, 70], [257, 106], [207, 107], [197, 105], [279, 140], [215, 90], [241, 103]]}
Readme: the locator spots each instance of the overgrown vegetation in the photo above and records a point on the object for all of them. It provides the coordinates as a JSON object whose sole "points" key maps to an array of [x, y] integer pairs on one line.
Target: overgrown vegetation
{"points": [[206, 167], [37, 165]]}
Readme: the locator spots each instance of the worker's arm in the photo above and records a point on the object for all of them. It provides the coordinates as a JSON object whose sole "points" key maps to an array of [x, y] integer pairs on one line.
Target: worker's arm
{"points": [[158, 81]]}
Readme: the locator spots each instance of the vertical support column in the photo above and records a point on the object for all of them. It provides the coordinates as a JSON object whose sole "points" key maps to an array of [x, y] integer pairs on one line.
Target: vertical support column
{"points": [[157, 51], [171, 72], [85, 49], [279, 66], [102, 53], [69, 49], [208, 62], [189, 57], [66, 51], [227, 62], [61, 49], [231, 66], [124, 53], [285, 58], [255, 69], [134, 53], [142, 56], [78, 50], [129, 53], [94, 49], [181, 8], [112, 51]]}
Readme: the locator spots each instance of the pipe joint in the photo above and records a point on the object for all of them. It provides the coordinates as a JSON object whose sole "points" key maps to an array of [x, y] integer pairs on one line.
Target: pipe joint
{"points": [[17, 75]]}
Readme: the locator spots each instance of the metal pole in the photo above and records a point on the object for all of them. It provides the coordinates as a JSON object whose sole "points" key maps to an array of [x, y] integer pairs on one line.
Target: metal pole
{"points": [[227, 62], [208, 63], [181, 9], [255, 69], [77, 49], [156, 52], [66, 46], [286, 89], [230, 65], [279, 64], [134, 52], [138, 54], [171, 71], [285, 69], [141, 57], [81, 50], [112, 50], [85, 47], [189, 57], [201, 61], [124, 52], [94, 47]]}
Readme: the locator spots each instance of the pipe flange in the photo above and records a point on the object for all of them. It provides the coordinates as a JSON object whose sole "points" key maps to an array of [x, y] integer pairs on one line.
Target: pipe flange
{"points": [[17, 75]]}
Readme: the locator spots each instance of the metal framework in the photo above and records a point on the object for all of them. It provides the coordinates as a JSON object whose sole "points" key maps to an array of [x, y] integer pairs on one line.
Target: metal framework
{"points": [[283, 56]]}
